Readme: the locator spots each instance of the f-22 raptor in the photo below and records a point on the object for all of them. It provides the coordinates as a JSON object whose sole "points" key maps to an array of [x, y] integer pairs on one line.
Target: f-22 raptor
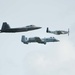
{"points": [[6, 28], [26, 40], [58, 32]]}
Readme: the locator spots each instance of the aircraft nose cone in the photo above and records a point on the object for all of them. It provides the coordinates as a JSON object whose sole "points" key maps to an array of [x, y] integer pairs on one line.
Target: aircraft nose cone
{"points": [[39, 27]]}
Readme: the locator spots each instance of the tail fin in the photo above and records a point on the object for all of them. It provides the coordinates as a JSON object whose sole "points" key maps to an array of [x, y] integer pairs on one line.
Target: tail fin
{"points": [[68, 31], [5, 26], [24, 39], [47, 30]]}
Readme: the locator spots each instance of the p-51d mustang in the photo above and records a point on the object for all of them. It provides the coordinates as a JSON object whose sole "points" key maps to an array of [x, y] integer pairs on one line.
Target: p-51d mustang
{"points": [[6, 28], [57, 32], [26, 40]]}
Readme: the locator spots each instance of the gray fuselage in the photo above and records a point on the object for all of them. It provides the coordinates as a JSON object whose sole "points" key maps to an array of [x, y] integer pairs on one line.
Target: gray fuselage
{"points": [[26, 40], [12, 30]]}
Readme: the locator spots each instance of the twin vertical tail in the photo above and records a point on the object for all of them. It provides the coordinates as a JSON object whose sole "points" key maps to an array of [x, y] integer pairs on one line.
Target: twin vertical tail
{"points": [[5, 26], [24, 39]]}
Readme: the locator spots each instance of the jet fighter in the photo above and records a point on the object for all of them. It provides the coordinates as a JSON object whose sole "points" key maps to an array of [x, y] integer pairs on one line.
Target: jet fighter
{"points": [[58, 32], [26, 40], [6, 28]]}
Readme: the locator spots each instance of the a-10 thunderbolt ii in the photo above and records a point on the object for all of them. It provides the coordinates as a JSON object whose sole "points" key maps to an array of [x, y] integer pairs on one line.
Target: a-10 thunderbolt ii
{"points": [[6, 28], [26, 40], [58, 32]]}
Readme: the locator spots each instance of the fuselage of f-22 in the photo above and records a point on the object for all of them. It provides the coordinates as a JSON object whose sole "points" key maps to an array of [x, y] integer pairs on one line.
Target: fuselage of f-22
{"points": [[6, 28]]}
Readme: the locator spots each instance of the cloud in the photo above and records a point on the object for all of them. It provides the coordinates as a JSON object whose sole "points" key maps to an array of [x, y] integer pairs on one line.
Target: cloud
{"points": [[66, 50], [60, 63]]}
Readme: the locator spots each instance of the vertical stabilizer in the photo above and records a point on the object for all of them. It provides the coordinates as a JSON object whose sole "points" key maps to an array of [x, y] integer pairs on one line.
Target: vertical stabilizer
{"points": [[5, 26], [47, 30], [24, 39]]}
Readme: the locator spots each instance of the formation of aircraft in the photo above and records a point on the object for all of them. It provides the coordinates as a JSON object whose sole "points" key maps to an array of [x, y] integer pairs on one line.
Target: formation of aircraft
{"points": [[57, 32], [26, 40], [6, 28]]}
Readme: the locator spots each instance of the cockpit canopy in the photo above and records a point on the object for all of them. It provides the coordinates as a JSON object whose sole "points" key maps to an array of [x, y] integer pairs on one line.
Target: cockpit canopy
{"points": [[52, 37], [30, 26]]}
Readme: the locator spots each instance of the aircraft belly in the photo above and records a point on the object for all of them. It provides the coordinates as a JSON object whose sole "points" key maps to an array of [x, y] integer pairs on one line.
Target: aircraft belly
{"points": [[15, 30], [18, 29], [32, 41]]}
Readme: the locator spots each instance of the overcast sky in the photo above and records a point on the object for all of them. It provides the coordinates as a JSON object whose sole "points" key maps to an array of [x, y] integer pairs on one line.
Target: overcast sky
{"points": [[17, 58]]}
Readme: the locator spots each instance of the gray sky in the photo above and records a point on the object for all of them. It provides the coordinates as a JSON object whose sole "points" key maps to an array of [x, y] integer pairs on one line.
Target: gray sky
{"points": [[17, 58]]}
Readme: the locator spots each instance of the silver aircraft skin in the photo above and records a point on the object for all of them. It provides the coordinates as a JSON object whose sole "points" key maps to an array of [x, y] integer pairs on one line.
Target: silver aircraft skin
{"points": [[58, 32], [6, 28], [26, 40]]}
